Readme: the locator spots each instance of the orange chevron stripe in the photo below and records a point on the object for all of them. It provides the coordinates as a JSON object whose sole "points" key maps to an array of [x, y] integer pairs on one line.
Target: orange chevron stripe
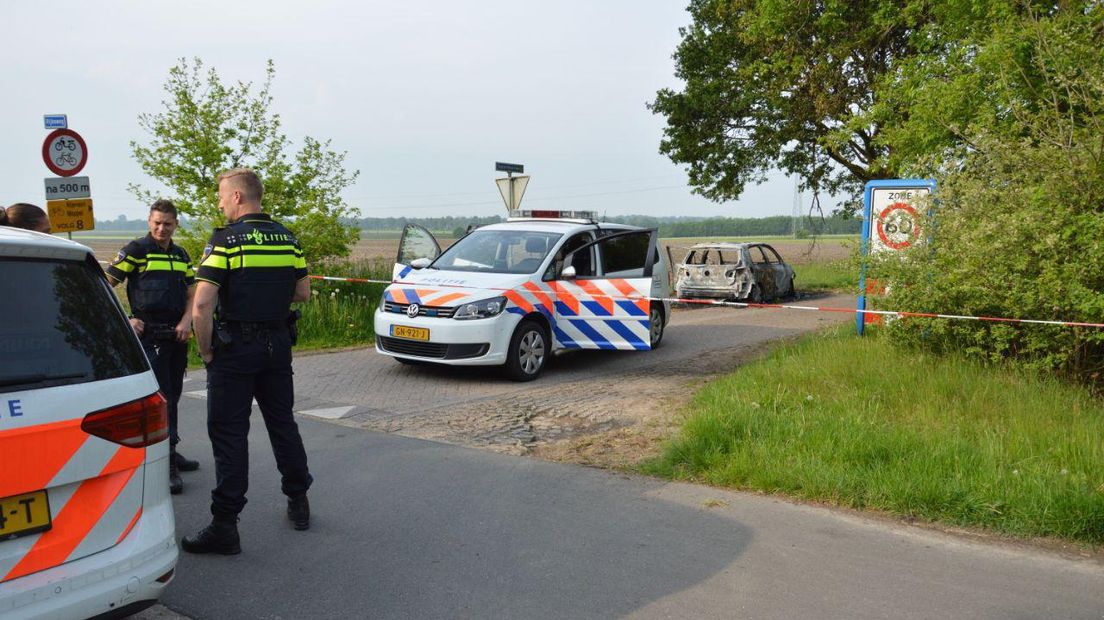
{"points": [[627, 290], [130, 526], [597, 294], [38, 453], [519, 301], [444, 299], [564, 297], [426, 292], [399, 296], [80, 514], [544, 300]]}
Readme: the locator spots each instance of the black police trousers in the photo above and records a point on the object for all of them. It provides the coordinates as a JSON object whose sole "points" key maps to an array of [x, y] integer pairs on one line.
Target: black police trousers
{"points": [[255, 364], [169, 360]]}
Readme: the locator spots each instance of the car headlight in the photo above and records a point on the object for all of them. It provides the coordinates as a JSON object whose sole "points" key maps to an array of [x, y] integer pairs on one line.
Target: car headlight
{"points": [[483, 309]]}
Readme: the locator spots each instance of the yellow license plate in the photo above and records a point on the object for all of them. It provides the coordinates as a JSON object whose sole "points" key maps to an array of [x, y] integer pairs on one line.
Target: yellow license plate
{"points": [[24, 514], [410, 333]]}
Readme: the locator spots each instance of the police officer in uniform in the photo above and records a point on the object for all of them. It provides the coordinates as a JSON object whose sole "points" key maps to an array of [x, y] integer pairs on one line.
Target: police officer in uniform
{"points": [[251, 272], [160, 284]]}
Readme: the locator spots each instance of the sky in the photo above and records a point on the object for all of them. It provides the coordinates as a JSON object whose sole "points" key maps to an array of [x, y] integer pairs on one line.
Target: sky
{"points": [[424, 97]]}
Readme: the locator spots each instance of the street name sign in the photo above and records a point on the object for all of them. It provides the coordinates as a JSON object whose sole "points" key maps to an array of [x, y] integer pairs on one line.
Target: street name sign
{"points": [[55, 121], [511, 168]]}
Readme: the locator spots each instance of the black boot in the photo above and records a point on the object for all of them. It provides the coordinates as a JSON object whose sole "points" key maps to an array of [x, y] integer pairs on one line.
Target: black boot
{"points": [[176, 483], [220, 537], [185, 464], [299, 511]]}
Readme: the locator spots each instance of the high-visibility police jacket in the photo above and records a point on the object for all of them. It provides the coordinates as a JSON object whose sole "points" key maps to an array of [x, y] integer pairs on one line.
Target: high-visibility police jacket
{"points": [[157, 279], [256, 264]]}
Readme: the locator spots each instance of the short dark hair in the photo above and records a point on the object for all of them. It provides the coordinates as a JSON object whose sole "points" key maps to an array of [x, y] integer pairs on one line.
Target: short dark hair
{"points": [[164, 206], [24, 215]]}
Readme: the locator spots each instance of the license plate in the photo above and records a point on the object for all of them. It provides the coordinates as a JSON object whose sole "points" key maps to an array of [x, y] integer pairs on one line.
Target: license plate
{"points": [[410, 333], [25, 514]]}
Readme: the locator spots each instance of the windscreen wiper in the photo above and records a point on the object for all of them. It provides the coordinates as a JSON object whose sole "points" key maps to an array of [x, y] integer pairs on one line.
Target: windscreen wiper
{"points": [[38, 378]]}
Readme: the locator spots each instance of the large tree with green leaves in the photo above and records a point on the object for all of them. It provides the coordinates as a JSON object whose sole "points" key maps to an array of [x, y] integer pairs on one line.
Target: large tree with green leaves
{"points": [[810, 87], [207, 126]]}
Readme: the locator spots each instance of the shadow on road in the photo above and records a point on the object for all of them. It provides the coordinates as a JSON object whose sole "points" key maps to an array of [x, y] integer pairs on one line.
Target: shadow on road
{"points": [[407, 528]]}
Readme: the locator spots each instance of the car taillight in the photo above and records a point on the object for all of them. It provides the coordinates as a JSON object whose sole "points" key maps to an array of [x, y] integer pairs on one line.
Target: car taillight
{"points": [[135, 424]]}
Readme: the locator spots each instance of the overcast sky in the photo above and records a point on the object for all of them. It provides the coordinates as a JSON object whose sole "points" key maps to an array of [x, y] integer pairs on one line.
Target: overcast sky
{"points": [[424, 96]]}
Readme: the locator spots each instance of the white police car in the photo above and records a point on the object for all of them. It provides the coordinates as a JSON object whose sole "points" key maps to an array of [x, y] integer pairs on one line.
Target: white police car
{"points": [[511, 294], [86, 522]]}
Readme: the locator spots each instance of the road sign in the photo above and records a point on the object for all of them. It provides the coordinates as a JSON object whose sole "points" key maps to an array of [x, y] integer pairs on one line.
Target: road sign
{"points": [[70, 215], [894, 221], [55, 121], [511, 168], [64, 152], [512, 189], [64, 188]]}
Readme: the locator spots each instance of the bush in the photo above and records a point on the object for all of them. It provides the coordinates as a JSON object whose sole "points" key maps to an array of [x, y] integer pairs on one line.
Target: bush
{"points": [[1017, 228]]}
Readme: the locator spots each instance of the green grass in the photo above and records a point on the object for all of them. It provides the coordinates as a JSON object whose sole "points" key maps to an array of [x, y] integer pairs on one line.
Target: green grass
{"points": [[855, 422], [834, 276]]}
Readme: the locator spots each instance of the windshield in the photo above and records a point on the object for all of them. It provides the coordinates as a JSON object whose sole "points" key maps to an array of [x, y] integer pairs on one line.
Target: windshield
{"points": [[498, 251]]}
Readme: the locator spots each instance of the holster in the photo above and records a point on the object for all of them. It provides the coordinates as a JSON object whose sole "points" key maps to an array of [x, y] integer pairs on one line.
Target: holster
{"points": [[293, 325], [222, 336]]}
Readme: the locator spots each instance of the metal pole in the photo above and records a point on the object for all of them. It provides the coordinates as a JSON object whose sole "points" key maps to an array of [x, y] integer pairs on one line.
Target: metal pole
{"points": [[513, 207]]}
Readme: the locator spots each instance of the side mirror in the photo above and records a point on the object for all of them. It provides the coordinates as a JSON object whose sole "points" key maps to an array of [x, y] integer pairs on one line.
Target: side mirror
{"points": [[568, 273], [420, 263]]}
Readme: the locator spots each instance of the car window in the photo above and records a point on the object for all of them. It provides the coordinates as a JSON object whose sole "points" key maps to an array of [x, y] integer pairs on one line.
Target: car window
{"points": [[69, 327], [498, 251], [625, 256], [771, 255], [757, 255], [583, 261]]}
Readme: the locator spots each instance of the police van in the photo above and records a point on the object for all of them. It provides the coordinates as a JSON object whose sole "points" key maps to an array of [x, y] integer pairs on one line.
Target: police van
{"points": [[514, 293], [86, 522]]}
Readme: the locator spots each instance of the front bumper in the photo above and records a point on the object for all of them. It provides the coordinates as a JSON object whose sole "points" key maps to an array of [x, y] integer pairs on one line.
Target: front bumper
{"points": [[478, 342]]}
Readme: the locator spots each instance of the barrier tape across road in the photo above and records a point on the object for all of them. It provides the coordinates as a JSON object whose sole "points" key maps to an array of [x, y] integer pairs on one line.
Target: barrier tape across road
{"points": [[738, 304]]}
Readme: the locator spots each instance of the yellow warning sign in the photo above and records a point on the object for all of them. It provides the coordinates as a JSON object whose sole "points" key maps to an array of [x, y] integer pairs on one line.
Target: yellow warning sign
{"points": [[70, 215]]}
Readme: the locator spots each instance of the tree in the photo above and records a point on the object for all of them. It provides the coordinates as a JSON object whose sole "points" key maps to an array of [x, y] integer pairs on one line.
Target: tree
{"points": [[1019, 217], [206, 127], [806, 86]]}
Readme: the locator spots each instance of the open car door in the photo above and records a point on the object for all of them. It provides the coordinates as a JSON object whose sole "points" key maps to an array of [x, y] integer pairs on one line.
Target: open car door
{"points": [[416, 242], [607, 305]]}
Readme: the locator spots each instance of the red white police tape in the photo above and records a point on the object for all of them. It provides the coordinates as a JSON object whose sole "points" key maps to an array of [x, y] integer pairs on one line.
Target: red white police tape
{"points": [[737, 304]]}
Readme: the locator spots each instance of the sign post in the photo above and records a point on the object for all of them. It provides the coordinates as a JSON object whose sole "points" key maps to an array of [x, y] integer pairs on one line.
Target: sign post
{"points": [[891, 223], [512, 188], [68, 197]]}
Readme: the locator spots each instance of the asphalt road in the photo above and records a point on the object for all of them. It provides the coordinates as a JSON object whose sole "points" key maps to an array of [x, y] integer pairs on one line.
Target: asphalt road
{"points": [[405, 528]]}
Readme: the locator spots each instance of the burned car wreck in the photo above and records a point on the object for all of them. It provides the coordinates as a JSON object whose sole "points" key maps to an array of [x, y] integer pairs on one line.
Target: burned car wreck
{"points": [[751, 272]]}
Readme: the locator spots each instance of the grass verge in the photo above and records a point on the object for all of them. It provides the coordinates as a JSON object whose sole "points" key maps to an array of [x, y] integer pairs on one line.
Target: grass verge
{"points": [[826, 276], [855, 422]]}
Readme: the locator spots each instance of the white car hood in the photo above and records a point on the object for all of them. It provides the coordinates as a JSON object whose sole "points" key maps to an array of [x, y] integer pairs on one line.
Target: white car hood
{"points": [[433, 287]]}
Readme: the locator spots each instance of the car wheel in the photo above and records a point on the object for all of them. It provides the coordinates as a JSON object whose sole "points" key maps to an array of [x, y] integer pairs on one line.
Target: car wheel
{"points": [[529, 351], [655, 324], [755, 296]]}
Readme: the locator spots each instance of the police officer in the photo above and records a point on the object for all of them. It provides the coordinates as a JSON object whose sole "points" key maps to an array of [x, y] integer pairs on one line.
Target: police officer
{"points": [[251, 272], [160, 284]]}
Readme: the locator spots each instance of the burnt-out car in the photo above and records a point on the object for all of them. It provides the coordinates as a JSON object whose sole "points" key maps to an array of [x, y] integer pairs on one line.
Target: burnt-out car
{"points": [[752, 272]]}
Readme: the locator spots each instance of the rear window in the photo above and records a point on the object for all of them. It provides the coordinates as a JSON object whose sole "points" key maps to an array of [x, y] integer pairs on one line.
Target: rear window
{"points": [[61, 325]]}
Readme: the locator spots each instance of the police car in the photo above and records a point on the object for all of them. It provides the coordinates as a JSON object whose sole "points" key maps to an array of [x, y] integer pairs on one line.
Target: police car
{"points": [[514, 293], [86, 522]]}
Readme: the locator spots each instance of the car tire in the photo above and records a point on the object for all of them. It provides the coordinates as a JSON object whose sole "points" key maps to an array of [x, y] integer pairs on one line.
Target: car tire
{"points": [[529, 351], [655, 325], [755, 295]]}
